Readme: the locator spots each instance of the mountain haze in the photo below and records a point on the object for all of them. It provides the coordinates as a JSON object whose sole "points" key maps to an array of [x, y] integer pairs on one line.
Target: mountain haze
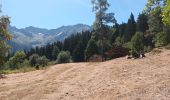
{"points": [[29, 37]]}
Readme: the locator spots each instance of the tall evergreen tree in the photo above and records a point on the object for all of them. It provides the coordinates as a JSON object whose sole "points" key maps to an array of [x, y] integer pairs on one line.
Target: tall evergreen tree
{"points": [[142, 23], [130, 28], [55, 52], [115, 34], [91, 48], [102, 19], [137, 43], [155, 21], [78, 54], [4, 36], [48, 53], [122, 29]]}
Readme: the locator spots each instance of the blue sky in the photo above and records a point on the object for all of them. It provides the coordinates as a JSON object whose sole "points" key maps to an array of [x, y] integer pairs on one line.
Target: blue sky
{"points": [[55, 13]]}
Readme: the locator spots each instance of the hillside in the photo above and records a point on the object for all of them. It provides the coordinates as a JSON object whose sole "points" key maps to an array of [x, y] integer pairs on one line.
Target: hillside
{"points": [[29, 37], [119, 79]]}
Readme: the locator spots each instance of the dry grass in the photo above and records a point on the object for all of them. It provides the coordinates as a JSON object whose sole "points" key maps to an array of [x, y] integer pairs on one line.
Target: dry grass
{"points": [[119, 79]]}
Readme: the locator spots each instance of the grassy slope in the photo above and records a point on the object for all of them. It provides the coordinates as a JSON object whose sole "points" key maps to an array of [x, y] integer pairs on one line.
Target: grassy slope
{"points": [[119, 79]]}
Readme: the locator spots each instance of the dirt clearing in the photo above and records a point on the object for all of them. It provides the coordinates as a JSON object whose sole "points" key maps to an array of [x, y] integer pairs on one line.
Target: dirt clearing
{"points": [[119, 79]]}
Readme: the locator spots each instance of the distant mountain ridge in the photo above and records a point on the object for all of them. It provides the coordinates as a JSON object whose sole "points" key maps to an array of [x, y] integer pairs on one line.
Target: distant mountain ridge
{"points": [[26, 38]]}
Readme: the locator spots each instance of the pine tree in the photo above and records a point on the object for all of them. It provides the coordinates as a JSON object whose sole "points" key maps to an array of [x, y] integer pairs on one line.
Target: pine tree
{"points": [[116, 33], [78, 54], [137, 44], [130, 28], [55, 52], [155, 21], [4, 36], [142, 23], [122, 29], [100, 24], [91, 48]]}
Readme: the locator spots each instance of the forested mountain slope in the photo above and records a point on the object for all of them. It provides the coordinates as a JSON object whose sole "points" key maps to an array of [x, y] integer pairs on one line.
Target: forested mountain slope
{"points": [[30, 37]]}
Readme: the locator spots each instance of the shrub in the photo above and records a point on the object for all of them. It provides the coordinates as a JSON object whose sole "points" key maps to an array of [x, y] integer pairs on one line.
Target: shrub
{"points": [[36, 61], [161, 39], [43, 61], [64, 57], [17, 60], [119, 41], [33, 59], [137, 44], [91, 48]]}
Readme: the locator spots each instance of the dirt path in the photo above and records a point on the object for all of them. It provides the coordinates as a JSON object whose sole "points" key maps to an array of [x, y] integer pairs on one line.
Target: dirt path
{"points": [[120, 79]]}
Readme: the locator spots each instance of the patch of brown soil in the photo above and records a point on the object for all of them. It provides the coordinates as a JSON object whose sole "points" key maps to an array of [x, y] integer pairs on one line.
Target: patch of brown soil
{"points": [[119, 79]]}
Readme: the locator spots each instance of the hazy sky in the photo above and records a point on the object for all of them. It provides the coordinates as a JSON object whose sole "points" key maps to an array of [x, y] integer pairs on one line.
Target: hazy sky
{"points": [[55, 13]]}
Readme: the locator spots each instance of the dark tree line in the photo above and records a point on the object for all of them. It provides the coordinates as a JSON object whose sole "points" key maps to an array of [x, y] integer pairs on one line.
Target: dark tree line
{"points": [[137, 36], [75, 44], [108, 39]]}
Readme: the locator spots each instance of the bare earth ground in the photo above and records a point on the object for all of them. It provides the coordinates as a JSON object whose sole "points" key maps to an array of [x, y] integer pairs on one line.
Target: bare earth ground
{"points": [[119, 79]]}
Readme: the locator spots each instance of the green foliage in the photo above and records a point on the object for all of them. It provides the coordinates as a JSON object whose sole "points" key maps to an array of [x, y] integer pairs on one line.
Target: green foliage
{"points": [[130, 28], [152, 4], [33, 59], [91, 48], [51, 51], [102, 18], [43, 61], [142, 23], [99, 7], [78, 54], [63, 57], [17, 60], [122, 29], [103, 45], [155, 21], [166, 13], [162, 38], [137, 43], [3, 50], [20, 70], [128, 45], [4, 36], [119, 41], [114, 33], [55, 52]]}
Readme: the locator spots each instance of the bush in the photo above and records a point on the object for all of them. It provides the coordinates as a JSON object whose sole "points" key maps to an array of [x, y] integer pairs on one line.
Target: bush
{"points": [[161, 39], [33, 59], [103, 46], [137, 44], [127, 45], [17, 60], [36, 60], [119, 41], [91, 48], [63, 57], [43, 61]]}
